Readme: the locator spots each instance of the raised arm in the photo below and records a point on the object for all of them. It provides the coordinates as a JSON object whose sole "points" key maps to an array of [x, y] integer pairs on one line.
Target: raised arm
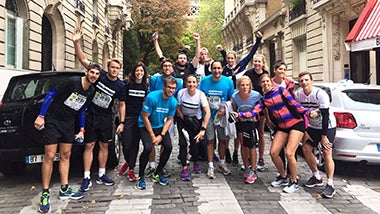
{"points": [[242, 64], [157, 45], [195, 61], [220, 49], [77, 36]]}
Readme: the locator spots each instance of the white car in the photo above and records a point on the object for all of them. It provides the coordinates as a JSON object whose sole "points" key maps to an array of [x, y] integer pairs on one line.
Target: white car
{"points": [[356, 108], [5, 75]]}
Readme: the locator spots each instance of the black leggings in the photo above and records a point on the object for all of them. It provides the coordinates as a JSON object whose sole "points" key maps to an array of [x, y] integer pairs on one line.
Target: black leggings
{"points": [[194, 146], [148, 146], [131, 137]]}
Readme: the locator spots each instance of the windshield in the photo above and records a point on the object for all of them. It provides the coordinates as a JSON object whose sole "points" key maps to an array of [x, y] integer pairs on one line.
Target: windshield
{"points": [[26, 88], [362, 99]]}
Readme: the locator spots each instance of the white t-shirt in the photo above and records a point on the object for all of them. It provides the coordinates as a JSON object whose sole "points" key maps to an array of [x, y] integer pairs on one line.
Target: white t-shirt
{"points": [[192, 105], [317, 99]]}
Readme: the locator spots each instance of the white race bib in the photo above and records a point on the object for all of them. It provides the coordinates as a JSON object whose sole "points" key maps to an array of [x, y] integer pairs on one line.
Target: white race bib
{"points": [[75, 101], [214, 102], [102, 100]]}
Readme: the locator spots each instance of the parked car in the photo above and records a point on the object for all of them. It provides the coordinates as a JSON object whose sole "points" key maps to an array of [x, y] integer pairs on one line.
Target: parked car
{"points": [[356, 108], [6, 74], [20, 142]]}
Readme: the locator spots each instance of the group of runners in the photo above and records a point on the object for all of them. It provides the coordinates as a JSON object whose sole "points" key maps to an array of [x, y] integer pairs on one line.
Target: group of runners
{"points": [[211, 102]]}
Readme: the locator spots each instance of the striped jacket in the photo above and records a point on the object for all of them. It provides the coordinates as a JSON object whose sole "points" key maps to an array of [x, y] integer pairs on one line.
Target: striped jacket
{"points": [[274, 102]]}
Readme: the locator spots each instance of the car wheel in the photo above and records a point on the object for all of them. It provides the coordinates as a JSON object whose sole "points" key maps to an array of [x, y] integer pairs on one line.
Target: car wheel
{"points": [[319, 157], [10, 169], [114, 148]]}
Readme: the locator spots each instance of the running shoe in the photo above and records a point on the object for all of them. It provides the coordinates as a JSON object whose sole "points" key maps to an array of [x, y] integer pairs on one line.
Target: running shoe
{"points": [[261, 165], [210, 173], [140, 183], [131, 175], [166, 173], [251, 177], [86, 184], [104, 180], [160, 179], [69, 194], [329, 192], [123, 168], [235, 159], [149, 172], [185, 176], [215, 157], [280, 181], [313, 181], [292, 187], [197, 168], [246, 171], [224, 169], [44, 203]]}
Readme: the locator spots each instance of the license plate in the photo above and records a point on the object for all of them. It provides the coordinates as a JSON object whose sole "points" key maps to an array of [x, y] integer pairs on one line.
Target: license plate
{"points": [[378, 147], [31, 159]]}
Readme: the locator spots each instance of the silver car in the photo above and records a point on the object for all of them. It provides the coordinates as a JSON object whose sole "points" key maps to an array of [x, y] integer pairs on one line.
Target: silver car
{"points": [[356, 108]]}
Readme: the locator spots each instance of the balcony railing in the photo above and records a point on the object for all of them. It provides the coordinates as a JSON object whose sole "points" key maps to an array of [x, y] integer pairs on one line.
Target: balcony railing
{"points": [[95, 20], [80, 7], [297, 11]]}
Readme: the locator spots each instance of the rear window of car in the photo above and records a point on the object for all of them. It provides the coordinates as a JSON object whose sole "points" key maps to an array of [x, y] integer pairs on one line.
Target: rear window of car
{"points": [[26, 88], [362, 99]]}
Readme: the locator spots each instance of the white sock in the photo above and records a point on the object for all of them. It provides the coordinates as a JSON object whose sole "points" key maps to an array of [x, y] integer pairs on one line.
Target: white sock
{"points": [[211, 164], [222, 161], [330, 182], [87, 174], [152, 164], [101, 172], [317, 175]]}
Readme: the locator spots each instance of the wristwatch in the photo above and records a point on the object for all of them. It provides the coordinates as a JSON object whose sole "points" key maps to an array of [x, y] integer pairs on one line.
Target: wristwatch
{"points": [[203, 128]]}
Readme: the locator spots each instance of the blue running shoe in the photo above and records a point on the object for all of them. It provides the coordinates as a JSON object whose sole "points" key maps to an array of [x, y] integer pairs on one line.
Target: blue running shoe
{"points": [[104, 180], [44, 203], [69, 194], [160, 179], [140, 183], [86, 184]]}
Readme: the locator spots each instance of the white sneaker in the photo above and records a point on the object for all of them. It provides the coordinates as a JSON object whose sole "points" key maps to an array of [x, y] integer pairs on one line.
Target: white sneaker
{"points": [[210, 173], [224, 169], [292, 187]]}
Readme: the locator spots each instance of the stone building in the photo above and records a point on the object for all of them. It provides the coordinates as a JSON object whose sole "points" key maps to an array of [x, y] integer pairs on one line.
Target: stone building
{"points": [[309, 35], [37, 34]]}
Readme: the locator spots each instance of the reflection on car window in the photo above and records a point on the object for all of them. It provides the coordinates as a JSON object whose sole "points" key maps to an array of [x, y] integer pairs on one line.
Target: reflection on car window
{"points": [[28, 88], [362, 99]]}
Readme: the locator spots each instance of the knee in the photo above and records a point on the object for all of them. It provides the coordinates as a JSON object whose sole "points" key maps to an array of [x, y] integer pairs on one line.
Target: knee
{"points": [[90, 146], [65, 155]]}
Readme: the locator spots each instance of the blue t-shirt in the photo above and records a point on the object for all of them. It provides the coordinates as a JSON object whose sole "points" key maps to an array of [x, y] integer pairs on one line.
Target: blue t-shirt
{"points": [[246, 105], [217, 92], [157, 83], [158, 108]]}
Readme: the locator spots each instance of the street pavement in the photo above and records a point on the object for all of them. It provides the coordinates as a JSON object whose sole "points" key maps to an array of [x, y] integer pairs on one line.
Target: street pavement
{"points": [[358, 191]]}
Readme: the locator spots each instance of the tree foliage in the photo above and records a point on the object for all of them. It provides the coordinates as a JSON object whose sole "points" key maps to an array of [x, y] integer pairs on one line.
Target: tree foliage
{"points": [[209, 24], [131, 50], [168, 18]]}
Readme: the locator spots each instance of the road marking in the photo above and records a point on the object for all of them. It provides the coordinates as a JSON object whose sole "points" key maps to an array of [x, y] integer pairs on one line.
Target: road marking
{"points": [[365, 195], [215, 195], [132, 200], [57, 205]]}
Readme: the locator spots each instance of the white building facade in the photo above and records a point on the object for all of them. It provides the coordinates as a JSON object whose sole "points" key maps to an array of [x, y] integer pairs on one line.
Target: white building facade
{"points": [[37, 34]]}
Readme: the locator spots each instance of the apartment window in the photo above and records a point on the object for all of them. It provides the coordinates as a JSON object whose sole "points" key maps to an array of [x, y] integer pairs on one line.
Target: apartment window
{"points": [[299, 56], [13, 36]]}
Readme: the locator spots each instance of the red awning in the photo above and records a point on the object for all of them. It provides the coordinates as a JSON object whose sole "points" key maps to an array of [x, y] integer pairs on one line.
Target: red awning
{"points": [[365, 34]]}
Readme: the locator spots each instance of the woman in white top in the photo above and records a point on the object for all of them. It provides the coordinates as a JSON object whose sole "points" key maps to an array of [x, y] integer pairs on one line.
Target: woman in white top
{"points": [[191, 102]]}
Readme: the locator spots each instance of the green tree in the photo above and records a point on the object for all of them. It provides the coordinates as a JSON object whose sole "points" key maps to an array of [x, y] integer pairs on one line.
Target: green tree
{"points": [[168, 18], [131, 50], [209, 24]]}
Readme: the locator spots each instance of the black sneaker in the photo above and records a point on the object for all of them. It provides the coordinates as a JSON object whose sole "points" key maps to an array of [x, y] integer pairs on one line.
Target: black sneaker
{"points": [[313, 181], [228, 156], [329, 192]]}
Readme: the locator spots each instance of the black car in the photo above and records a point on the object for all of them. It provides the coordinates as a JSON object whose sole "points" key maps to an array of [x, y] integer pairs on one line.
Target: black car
{"points": [[20, 142]]}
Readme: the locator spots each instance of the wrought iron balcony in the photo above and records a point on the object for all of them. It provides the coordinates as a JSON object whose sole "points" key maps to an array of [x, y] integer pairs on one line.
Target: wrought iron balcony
{"points": [[80, 7], [297, 10], [95, 20]]}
